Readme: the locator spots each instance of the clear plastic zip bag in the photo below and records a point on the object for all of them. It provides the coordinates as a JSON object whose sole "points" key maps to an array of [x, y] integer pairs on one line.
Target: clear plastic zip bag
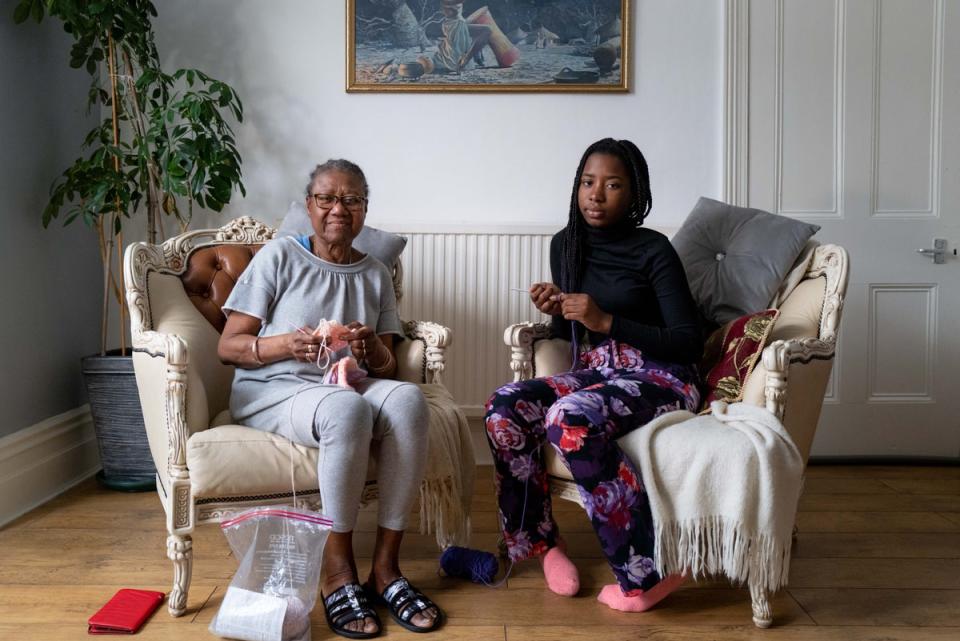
{"points": [[275, 587]]}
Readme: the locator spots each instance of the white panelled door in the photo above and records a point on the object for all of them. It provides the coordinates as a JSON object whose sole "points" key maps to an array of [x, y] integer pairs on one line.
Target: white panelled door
{"points": [[853, 123]]}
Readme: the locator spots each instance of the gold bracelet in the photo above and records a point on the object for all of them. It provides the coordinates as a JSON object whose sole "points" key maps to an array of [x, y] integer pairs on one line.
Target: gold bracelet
{"points": [[385, 366], [255, 348]]}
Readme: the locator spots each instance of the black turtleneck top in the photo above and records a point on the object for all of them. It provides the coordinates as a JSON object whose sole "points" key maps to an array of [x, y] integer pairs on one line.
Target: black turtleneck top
{"points": [[636, 276]]}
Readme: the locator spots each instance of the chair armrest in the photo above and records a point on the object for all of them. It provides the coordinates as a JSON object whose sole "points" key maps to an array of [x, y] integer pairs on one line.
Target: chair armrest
{"points": [[777, 357], [160, 364], [520, 337], [437, 338]]}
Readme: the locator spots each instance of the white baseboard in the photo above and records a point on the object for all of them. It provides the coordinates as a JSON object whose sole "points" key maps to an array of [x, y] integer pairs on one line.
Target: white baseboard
{"points": [[473, 411], [481, 451], [44, 460]]}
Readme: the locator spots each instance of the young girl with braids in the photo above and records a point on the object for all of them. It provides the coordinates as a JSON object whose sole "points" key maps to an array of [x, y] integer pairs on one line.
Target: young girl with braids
{"points": [[619, 292]]}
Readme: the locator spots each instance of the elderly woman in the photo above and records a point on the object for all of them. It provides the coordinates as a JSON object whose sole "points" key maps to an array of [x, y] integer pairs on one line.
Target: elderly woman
{"points": [[283, 385]]}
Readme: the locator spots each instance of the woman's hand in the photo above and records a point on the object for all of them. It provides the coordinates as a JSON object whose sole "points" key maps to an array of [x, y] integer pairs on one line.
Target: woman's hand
{"points": [[363, 340], [545, 297], [376, 350], [303, 345], [580, 307]]}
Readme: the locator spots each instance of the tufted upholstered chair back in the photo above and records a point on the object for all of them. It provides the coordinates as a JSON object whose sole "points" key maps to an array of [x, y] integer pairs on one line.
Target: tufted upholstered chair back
{"points": [[210, 276]]}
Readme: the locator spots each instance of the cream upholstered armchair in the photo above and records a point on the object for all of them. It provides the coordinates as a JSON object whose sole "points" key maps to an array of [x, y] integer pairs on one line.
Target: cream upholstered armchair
{"points": [[207, 468], [789, 381]]}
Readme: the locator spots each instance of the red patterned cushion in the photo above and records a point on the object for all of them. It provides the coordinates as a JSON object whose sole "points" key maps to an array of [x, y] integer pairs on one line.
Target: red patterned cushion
{"points": [[731, 353]]}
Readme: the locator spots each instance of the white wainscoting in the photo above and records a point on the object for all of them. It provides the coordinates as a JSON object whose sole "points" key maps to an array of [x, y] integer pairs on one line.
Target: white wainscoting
{"points": [[461, 278], [43, 460]]}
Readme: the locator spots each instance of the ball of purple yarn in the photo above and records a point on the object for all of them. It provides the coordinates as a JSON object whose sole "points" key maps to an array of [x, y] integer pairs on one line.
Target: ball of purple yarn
{"points": [[474, 565]]}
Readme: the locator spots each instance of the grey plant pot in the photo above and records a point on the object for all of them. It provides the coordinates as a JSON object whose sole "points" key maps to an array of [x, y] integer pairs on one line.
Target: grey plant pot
{"points": [[118, 422]]}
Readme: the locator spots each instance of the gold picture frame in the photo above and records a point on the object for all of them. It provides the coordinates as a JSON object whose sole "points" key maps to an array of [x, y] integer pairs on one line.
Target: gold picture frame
{"points": [[581, 46]]}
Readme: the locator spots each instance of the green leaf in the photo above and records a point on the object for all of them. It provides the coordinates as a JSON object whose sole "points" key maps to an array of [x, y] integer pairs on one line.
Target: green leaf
{"points": [[37, 10], [49, 213], [21, 13], [196, 184]]}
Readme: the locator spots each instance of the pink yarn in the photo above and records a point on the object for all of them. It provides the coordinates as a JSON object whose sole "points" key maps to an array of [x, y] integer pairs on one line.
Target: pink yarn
{"points": [[331, 331], [345, 373], [296, 619]]}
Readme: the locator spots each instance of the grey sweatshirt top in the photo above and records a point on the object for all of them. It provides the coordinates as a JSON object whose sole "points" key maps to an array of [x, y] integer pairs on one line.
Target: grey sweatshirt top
{"points": [[288, 287]]}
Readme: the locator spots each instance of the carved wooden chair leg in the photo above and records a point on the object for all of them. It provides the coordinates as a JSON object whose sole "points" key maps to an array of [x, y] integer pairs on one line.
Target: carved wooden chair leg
{"points": [[180, 551], [762, 613]]}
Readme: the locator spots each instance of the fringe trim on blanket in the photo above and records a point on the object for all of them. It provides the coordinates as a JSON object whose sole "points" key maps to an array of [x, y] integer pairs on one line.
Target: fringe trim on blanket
{"points": [[442, 511], [714, 545]]}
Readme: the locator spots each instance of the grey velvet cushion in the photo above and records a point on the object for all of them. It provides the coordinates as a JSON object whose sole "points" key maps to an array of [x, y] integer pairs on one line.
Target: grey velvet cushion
{"points": [[382, 245], [736, 257]]}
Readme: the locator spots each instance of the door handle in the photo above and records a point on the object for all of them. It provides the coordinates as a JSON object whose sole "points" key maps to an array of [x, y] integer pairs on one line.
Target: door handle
{"points": [[939, 251]]}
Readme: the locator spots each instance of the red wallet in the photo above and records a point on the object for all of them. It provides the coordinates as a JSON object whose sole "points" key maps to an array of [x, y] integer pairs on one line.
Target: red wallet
{"points": [[125, 612]]}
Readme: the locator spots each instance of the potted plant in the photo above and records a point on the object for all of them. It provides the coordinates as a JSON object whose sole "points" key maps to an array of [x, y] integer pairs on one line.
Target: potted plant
{"points": [[163, 144]]}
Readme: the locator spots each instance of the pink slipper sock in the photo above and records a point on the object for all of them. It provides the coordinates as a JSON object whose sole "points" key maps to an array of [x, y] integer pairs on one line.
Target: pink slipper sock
{"points": [[559, 572], [614, 597]]}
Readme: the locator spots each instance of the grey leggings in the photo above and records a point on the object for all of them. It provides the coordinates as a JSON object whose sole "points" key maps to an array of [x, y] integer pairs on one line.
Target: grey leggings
{"points": [[342, 423]]}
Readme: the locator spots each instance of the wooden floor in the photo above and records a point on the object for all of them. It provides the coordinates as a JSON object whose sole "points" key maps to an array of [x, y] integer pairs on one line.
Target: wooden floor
{"points": [[877, 557]]}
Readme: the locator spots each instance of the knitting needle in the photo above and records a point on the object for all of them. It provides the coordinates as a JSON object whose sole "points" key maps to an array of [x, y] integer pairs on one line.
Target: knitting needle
{"points": [[555, 297]]}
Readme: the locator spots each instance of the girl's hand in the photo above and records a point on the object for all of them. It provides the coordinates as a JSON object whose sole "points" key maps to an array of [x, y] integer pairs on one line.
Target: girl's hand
{"points": [[580, 307], [545, 297]]}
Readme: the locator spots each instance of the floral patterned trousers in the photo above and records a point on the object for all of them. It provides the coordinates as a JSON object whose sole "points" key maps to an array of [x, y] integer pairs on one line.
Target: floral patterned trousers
{"points": [[582, 413]]}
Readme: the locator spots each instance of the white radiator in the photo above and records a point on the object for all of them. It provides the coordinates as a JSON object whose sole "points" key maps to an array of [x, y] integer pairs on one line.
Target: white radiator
{"points": [[463, 281]]}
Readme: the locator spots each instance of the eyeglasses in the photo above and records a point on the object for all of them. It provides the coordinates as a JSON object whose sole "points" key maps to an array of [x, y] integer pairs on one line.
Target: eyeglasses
{"points": [[328, 201]]}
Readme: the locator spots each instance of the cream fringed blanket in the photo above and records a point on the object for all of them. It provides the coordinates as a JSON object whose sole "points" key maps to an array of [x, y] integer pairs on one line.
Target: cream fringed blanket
{"points": [[723, 490], [447, 487]]}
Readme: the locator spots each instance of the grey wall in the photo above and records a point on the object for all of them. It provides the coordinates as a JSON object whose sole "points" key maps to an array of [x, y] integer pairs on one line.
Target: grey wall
{"points": [[50, 293], [434, 159], [493, 159]]}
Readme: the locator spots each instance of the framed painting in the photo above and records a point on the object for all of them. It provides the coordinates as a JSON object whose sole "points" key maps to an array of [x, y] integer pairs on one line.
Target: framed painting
{"points": [[488, 45]]}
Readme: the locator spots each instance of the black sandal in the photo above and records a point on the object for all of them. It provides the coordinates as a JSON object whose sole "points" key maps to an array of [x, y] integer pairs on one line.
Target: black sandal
{"points": [[404, 601], [347, 604]]}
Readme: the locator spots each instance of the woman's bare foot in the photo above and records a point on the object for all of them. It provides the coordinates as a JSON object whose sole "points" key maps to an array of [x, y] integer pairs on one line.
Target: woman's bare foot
{"points": [[339, 569], [386, 569]]}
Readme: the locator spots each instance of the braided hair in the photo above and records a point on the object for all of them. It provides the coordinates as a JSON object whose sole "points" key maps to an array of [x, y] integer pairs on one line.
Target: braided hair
{"points": [[571, 256]]}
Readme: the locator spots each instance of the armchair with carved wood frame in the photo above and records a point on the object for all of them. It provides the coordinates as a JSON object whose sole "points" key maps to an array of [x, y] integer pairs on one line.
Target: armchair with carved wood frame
{"points": [[208, 469], [789, 381]]}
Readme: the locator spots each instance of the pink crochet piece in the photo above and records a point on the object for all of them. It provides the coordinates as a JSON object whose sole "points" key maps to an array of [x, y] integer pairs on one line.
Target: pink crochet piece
{"points": [[614, 597], [331, 330], [559, 572], [345, 373]]}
